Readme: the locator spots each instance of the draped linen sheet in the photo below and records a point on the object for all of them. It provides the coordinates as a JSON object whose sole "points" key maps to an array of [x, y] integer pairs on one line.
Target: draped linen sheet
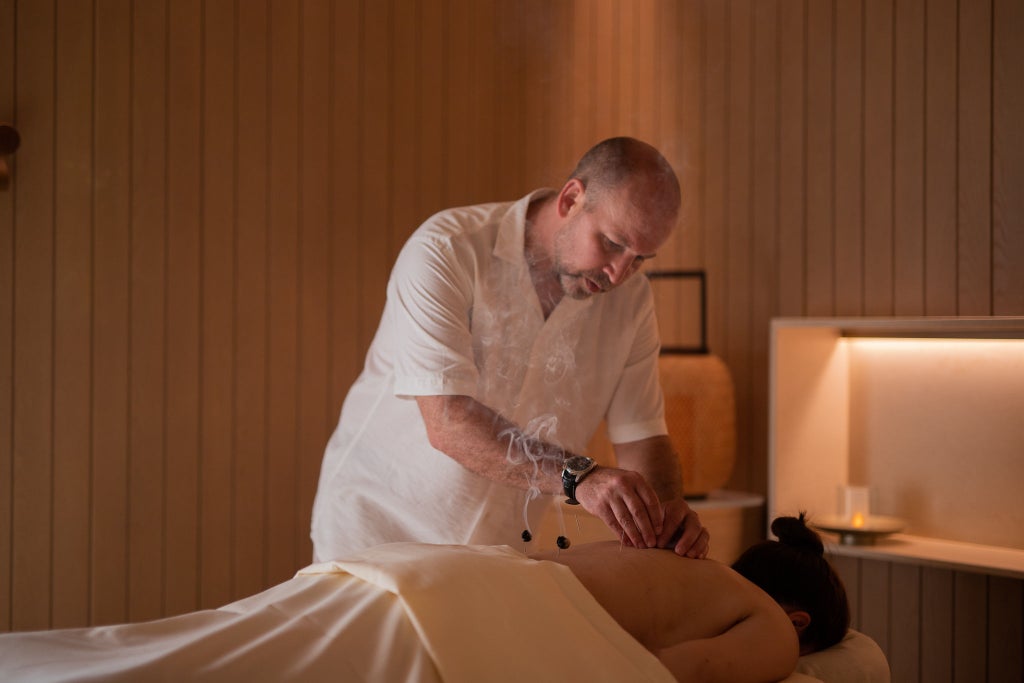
{"points": [[398, 612]]}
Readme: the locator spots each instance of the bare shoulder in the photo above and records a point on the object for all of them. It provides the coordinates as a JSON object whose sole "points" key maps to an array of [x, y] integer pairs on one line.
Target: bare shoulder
{"points": [[661, 598]]}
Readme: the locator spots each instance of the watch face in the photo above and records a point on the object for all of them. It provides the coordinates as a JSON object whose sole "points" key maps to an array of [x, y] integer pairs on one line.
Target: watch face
{"points": [[578, 463]]}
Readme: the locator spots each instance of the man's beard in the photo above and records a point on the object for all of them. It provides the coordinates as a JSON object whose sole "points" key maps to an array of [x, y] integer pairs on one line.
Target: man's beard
{"points": [[574, 285], [573, 282]]}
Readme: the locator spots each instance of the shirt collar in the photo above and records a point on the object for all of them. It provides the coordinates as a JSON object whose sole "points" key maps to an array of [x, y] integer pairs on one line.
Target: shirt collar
{"points": [[510, 242]]}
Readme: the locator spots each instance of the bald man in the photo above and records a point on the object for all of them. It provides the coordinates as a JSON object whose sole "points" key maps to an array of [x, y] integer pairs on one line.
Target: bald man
{"points": [[510, 331]]}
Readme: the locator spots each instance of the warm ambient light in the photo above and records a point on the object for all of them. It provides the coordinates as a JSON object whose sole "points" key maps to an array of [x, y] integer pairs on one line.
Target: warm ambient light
{"points": [[857, 521], [937, 345]]}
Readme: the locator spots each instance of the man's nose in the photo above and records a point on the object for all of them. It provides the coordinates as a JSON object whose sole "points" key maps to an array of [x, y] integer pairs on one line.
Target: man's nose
{"points": [[619, 269]]}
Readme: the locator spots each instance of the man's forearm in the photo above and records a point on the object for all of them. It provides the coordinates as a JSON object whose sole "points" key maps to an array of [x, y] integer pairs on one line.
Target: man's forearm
{"points": [[656, 459], [491, 446]]}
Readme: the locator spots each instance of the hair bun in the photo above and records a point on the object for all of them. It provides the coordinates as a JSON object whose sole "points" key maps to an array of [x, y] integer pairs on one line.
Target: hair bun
{"points": [[793, 531]]}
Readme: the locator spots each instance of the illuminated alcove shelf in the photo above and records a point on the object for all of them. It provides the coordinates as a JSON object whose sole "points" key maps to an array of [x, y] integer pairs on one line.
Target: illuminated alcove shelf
{"points": [[926, 412]]}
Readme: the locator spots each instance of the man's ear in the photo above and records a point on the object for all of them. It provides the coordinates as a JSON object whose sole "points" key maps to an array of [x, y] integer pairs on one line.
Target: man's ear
{"points": [[801, 620], [570, 196]]}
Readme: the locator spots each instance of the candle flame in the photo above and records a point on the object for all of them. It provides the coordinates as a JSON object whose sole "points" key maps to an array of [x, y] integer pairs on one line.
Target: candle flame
{"points": [[858, 520]]}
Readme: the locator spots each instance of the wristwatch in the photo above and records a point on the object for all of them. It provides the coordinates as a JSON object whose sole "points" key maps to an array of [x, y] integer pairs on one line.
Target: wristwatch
{"points": [[574, 469]]}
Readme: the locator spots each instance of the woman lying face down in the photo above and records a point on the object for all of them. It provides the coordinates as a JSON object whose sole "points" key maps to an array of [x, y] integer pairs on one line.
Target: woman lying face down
{"points": [[794, 571], [705, 621]]}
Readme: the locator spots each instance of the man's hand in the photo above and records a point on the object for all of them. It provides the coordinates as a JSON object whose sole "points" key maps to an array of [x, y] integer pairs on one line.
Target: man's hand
{"points": [[624, 501], [683, 532], [656, 459]]}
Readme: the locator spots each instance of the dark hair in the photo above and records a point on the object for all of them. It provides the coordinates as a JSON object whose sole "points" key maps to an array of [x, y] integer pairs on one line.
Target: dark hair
{"points": [[794, 571]]}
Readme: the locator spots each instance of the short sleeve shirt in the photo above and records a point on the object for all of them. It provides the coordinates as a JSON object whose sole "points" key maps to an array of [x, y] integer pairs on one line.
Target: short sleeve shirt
{"points": [[462, 318]]}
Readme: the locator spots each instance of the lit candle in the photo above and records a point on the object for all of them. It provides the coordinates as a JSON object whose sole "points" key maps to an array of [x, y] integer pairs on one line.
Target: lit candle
{"points": [[856, 505]]}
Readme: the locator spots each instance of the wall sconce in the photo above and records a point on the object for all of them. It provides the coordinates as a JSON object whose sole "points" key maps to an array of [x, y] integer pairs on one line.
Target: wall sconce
{"points": [[9, 142]]}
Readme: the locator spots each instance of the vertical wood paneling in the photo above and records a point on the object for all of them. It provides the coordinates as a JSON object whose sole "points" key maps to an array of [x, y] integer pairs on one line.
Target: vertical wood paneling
{"points": [[678, 99], [314, 424], [739, 214], [940, 157], [111, 302], [146, 442], [848, 569], [607, 51], [511, 124], [72, 312], [282, 410], [581, 111], [937, 625], [878, 157], [32, 438], [374, 152], [849, 159], [217, 302], [346, 348], [460, 118], [792, 169], [974, 160], [874, 601], [908, 159], [937, 617], [905, 622], [626, 114], [764, 223], [184, 187], [1005, 629], [682, 122], [250, 477], [430, 53], [820, 210], [665, 105], [407, 112], [715, 114], [7, 103], [1008, 157], [561, 153], [644, 93], [969, 649], [491, 99]]}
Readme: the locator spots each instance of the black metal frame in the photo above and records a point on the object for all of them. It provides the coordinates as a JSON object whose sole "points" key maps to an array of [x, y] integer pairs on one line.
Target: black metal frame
{"points": [[700, 276]]}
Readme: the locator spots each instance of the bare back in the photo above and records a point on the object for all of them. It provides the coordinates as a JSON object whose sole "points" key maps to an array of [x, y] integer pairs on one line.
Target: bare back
{"points": [[700, 617]]}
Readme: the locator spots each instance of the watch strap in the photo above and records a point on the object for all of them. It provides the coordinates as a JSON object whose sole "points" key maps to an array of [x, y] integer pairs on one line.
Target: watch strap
{"points": [[571, 480], [569, 486]]}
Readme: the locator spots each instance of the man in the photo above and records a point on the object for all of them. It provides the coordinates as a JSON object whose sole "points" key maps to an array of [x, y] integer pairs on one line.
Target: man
{"points": [[510, 331]]}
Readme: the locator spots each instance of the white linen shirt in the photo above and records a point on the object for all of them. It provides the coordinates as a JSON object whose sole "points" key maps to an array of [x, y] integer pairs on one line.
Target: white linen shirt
{"points": [[462, 318]]}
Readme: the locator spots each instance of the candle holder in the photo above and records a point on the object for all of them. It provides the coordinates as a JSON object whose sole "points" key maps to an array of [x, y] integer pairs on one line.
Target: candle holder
{"points": [[856, 505], [855, 524]]}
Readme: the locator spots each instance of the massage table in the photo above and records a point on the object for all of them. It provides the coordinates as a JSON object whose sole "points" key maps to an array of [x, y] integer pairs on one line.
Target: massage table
{"points": [[398, 612]]}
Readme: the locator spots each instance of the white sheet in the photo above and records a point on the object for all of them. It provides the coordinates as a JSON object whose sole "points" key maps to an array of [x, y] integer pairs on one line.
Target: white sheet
{"points": [[855, 659], [490, 613], [400, 612], [331, 627]]}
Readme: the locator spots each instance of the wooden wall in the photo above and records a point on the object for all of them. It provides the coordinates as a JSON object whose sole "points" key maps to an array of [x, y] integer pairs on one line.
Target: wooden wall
{"points": [[210, 193], [937, 624]]}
